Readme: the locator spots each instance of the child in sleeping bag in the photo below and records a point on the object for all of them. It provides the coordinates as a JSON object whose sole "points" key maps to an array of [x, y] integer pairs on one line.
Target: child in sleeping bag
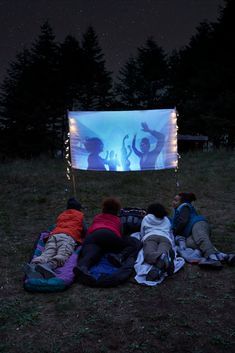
{"points": [[103, 236], [157, 241], [61, 242]]}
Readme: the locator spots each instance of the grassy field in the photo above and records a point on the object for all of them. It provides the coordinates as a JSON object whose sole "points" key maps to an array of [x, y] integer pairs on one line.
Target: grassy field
{"points": [[193, 311]]}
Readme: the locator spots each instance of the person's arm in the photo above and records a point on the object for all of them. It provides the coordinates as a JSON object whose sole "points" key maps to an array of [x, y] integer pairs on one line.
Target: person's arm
{"points": [[124, 139], [130, 152], [182, 220], [138, 153], [158, 135]]}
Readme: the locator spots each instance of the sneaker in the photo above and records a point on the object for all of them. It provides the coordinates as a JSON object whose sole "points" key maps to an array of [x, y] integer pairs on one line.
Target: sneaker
{"points": [[230, 259], [154, 274], [30, 272], [220, 256], [83, 275], [115, 259], [45, 270], [210, 263], [166, 262], [170, 266]]}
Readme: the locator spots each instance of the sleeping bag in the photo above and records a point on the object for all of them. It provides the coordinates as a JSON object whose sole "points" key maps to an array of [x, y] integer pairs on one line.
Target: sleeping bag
{"points": [[64, 275], [105, 274]]}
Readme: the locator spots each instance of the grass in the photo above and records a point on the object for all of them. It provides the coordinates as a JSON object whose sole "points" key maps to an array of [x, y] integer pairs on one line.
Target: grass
{"points": [[191, 312]]}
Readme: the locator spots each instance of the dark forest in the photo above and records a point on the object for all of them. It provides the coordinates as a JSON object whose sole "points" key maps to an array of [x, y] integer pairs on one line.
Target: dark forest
{"points": [[49, 78]]}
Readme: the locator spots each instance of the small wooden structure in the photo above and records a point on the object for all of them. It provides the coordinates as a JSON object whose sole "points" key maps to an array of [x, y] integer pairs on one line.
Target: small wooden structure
{"points": [[188, 143]]}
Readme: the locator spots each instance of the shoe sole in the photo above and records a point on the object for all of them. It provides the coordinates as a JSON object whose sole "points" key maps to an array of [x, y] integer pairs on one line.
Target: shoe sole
{"points": [[47, 274], [84, 278], [171, 268], [30, 273], [154, 275], [230, 261]]}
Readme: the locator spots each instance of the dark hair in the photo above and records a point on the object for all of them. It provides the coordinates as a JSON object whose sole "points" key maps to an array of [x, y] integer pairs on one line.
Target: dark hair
{"points": [[187, 196], [93, 144], [145, 140], [111, 205], [73, 204], [157, 210]]}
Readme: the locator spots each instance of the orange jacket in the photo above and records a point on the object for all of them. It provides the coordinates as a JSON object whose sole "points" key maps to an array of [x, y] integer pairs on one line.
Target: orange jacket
{"points": [[70, 222]]}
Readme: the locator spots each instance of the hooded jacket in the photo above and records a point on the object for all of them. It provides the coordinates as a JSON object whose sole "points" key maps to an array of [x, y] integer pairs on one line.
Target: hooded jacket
{"points": [[152, 225]]}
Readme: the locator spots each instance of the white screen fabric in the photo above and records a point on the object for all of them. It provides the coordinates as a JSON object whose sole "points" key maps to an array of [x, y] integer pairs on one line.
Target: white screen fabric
{"points": [[123, 140]]}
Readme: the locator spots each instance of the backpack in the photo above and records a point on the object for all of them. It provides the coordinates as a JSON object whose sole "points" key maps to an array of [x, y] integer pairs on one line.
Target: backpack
{"points": [[131, 218]]}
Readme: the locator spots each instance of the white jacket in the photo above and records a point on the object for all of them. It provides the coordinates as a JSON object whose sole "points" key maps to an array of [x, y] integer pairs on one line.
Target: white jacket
{"points": [[152, 225]]}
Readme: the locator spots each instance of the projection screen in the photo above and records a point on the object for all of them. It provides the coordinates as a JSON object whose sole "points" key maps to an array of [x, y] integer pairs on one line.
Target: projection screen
{"points": [[123, 140]]}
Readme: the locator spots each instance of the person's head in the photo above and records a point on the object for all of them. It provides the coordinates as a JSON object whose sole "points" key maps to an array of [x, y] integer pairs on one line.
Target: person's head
{"points": [[157, 210], [111, 205], [72, 203], [182, 197], [94, 145], [144, 145]]}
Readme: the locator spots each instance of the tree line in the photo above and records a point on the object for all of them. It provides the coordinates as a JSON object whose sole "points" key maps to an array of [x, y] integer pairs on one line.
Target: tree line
{"points": [[46, 80]]}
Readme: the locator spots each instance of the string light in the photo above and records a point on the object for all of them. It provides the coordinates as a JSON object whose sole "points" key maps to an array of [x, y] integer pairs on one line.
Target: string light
{"points": [[67, 156], [176, 115]]}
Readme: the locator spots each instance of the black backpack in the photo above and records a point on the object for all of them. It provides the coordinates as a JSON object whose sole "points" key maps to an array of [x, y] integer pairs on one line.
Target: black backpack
{"points": [[131, 218]]}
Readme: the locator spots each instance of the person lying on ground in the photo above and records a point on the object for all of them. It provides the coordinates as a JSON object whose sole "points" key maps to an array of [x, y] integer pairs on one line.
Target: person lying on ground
{"points": [[104, 236], [68, 233], [157, 241], [192, 230]]}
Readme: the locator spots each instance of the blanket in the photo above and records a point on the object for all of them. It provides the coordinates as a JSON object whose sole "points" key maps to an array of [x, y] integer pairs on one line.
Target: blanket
{"points": [[142, 268]]}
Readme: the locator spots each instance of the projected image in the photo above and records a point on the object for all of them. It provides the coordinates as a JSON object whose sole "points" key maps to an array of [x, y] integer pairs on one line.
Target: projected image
{"points": [[123, 141]]}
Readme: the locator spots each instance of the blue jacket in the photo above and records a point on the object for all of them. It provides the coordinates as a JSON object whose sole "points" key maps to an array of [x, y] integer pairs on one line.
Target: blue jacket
{"points": [[193, 218]]}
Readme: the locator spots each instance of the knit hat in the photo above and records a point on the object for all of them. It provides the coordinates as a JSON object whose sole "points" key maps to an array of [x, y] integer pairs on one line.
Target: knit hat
{"points": [[73, 204]]}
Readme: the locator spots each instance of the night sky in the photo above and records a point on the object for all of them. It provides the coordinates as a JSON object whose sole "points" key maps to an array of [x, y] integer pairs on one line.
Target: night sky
{"points": [[121, 25]]}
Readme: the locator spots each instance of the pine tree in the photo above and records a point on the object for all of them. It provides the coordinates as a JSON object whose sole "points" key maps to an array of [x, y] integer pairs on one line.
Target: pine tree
{"points": [[127, 86], [30, 101], [143, 79], [71, 70], [97, 81], [15, 115], [203, 80], [48, 107]]}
